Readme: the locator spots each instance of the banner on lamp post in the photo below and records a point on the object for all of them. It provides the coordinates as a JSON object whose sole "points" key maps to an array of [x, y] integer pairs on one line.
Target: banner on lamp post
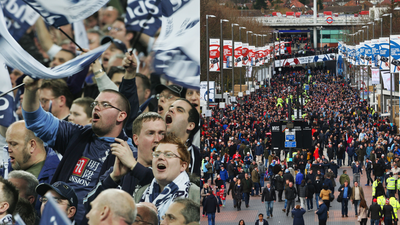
{"points": [[375, 76], [252, 56], [227, 54], [384, 53], [214, 63], [238, 54], [394, 53], [245, 54]]}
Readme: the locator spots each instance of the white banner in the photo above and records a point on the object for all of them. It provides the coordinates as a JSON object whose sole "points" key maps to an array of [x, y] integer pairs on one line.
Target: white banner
{"points": [[248, 71], [203, 91], [386, 80], [375, 76]]}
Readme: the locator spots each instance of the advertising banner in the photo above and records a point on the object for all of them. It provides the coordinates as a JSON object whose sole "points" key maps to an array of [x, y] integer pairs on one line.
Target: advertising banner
{"points": [[203, 91], [227, 57], [384, 53], [214, 63], [252, 55], [375, 51], [368, 53], [394, 53], [245, 54], [375, 76], [238, 54]]}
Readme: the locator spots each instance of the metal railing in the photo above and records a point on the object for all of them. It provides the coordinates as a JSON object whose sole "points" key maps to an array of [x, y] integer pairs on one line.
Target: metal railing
{"points": [[308, 20]]}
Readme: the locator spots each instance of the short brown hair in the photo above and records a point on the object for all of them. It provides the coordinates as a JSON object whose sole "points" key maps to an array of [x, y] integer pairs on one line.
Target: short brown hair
{"points": [[9, 194], [144, 117], [59, 88], [85, 103]]}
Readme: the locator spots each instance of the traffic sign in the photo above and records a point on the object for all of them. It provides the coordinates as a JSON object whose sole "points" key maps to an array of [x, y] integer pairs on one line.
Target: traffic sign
{"points": [[290, 144], [290, 138], [329, 20]]}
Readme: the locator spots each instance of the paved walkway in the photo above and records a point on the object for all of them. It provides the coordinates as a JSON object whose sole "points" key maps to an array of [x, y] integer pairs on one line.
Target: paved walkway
{"points": [[230, 216]]}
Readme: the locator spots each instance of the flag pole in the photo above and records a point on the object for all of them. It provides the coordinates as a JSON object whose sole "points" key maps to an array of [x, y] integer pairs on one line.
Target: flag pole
{"points": [[80, 48], [16, 87]]}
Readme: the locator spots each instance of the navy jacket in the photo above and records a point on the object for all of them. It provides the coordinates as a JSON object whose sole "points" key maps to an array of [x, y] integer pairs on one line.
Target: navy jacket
{"points": [[258, 222], [298, 216], [322, 212], [210, 204]]}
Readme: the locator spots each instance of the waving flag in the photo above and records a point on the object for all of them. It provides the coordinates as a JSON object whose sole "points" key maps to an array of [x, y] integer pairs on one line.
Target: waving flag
{"points": [[16, 57], [52, 214], [144, 14], [177, 50], [19, 17], [7, 114], [61, 12]]}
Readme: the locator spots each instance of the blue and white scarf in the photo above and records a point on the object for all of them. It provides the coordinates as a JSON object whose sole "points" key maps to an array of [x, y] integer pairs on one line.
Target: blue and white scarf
{"points": [[178, 188]]}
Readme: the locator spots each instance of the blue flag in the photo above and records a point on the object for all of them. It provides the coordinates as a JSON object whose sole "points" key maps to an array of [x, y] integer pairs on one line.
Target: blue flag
{"points": [[52, 214], [7, 114], [177, 50], [61, 12], [137, 16], [19, 17]]}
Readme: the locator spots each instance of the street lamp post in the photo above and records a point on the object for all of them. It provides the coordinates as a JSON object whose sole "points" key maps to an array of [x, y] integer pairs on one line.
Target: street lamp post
{"points": [[240, 70], [233, 60], [391, 75], [247, 40], [222, 59], [208, 58]]}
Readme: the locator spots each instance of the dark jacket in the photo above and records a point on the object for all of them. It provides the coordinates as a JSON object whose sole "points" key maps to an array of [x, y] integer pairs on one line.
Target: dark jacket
{"points": [[388, 211], [268, 195], [247, 185], [375, 211], [317, 186], [210, 204], [298, 216], [288, 176], [349, 191], [290, 193], [258, 222], [378, 169], [237, 192], [322, 212], [279, 184], [302, 191], [310, 190], [328, 182]]}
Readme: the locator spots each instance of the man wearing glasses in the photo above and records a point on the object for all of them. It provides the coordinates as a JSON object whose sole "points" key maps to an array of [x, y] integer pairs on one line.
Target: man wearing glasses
{"points": [[86, 150], [63, 194]]}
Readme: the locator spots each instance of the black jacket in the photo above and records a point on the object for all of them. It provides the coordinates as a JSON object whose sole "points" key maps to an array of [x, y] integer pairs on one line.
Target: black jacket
{"points": [[311, 190], [210, 204], [349, 191], [388, 211], [375, 211], [290, 193], [268, 195], [288, 176], [317, 186], [280, 183]]}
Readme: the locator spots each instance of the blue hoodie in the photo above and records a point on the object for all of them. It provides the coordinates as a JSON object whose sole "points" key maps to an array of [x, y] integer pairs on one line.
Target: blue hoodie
{"points": [[299, 178]]}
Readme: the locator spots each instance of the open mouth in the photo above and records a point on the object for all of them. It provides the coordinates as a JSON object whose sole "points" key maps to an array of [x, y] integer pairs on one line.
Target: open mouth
{"points": [[12, 159], [168, 119], [161, 166], [96, 117], [195, 104], [160, 109]]}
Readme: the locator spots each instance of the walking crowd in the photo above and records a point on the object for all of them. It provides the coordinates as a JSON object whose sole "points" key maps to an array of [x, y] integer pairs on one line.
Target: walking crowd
{"points": [[238, 157]]}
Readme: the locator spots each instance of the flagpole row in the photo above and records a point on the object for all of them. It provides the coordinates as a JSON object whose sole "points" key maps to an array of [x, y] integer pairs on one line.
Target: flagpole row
{"points": [[80, 48], [16, 87]]}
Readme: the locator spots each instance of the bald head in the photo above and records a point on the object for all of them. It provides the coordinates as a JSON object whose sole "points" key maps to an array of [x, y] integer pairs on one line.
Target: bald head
{"points": [[146, 213], [112, 206], [24, 148]]}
